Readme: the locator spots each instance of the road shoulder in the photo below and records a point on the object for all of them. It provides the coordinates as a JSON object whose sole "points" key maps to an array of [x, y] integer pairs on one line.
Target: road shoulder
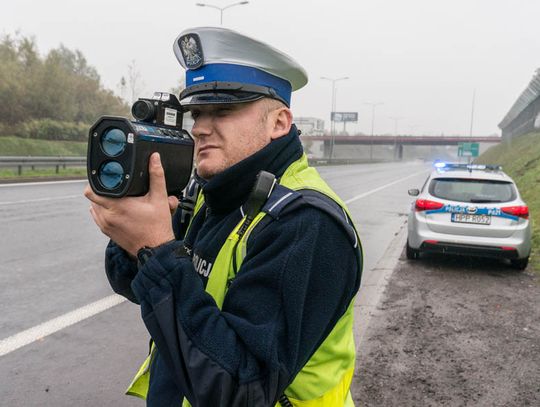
{"points": [[452, 331]]}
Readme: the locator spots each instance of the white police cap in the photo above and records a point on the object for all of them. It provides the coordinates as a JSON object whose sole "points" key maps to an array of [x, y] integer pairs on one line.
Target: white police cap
{"points": [[224, 66]]}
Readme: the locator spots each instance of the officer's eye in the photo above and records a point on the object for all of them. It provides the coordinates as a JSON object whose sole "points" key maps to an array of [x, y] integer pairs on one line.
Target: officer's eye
{"points": [[195, 114], [224, 111]]}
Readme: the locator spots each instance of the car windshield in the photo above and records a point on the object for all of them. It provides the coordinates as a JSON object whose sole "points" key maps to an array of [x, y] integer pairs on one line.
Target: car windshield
{"points": [[472, 190]]}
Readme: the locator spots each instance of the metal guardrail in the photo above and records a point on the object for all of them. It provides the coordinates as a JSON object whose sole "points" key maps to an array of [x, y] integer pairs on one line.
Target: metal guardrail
{"points": [[32, 162]]}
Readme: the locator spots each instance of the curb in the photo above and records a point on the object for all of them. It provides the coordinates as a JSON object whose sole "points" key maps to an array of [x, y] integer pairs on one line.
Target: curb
{"points": [[373, 287]]}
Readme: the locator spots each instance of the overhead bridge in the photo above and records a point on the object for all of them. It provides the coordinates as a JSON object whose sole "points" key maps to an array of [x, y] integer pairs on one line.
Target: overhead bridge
{"points": [[398, 142]]}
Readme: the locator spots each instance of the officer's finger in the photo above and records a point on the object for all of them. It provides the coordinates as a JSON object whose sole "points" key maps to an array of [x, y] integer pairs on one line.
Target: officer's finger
{"points": [[102, 218], [173, 203], [157, 177], [96, 216], [93, 197]]}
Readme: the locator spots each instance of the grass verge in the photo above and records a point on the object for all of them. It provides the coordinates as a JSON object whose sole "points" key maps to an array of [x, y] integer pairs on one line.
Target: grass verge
{"points": [[16, 146], [38, 173], [520, 159]]}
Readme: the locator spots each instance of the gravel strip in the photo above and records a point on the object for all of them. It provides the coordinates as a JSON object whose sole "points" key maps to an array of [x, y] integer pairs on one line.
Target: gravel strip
{"points": [[453, 332]]}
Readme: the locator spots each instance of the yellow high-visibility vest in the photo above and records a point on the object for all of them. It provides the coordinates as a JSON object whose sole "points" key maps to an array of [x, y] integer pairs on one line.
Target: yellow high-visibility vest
{"points": [[325, 379]]}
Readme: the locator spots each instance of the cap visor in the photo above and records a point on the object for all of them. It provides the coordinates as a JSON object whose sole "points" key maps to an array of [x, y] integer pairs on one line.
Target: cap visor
{"points": [[219, 98]]}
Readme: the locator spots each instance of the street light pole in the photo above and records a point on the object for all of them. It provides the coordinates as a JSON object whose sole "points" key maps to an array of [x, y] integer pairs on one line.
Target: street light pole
{"points": [[373, 106], [332, 123], [472, 111], [221, 9]]}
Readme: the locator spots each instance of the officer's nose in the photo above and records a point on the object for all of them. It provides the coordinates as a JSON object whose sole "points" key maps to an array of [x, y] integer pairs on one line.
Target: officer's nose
{"points": [[202, 126]]}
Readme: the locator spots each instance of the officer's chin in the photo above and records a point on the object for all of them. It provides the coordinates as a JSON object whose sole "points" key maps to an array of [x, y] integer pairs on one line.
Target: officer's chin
{"points": [[207, 171]]}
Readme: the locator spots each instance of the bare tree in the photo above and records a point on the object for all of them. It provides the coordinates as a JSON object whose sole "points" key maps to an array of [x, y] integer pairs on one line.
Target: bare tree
{"points": [[134, 82], [175, 90], [122, 87]]}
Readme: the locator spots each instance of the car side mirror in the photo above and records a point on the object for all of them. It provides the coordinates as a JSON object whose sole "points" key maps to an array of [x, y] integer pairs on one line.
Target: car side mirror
{"points": [[414, 192]]}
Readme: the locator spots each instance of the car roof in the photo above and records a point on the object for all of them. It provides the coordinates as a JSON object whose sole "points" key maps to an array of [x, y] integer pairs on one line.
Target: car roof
{"points": [[484, 174]]}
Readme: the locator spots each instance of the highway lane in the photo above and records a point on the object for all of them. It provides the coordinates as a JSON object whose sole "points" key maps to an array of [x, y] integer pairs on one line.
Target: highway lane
{"points": [[378, 215], [47, 243], [52, 263]]}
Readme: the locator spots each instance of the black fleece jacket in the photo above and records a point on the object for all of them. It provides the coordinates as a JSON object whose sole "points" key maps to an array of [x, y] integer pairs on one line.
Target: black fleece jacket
{"points": [[297, 279]]}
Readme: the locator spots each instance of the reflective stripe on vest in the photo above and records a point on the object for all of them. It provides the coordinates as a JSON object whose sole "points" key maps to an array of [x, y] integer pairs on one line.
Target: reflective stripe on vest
{"points": [[325, 379]]}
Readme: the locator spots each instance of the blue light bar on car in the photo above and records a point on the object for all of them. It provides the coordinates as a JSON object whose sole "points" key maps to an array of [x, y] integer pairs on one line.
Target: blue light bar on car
{"points": [[470, 167]]}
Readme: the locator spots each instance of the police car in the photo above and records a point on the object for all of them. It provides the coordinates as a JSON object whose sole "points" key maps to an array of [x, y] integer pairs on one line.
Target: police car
{"points": [[468, 209]]}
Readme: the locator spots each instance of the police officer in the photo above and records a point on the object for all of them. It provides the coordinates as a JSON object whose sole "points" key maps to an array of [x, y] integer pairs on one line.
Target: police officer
{"points": [[252, 305]]}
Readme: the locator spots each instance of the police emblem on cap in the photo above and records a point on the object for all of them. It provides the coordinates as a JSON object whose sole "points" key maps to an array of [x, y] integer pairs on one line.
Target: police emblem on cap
{"points": [[190, 45]]}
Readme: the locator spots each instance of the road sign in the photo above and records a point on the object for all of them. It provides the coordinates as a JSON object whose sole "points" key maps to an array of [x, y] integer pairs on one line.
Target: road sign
{"points": [[344, 116], [468, 149]]}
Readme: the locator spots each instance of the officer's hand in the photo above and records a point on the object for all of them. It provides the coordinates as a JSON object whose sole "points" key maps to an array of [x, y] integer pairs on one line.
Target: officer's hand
{"points": [[134, 222]]}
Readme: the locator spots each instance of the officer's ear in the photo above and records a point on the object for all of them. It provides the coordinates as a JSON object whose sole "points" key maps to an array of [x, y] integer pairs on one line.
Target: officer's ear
{"points": [[280, 121]]}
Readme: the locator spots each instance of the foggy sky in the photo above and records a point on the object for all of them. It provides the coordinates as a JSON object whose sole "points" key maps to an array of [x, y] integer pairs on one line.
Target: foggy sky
{"points": [[421, 58]]}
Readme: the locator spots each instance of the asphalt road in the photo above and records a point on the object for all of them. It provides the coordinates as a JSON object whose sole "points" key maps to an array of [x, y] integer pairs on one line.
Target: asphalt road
{"points": [[52, 279]]}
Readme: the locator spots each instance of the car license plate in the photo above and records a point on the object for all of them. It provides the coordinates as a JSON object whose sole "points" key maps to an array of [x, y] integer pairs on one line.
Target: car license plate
{"points": [[468, 218]]}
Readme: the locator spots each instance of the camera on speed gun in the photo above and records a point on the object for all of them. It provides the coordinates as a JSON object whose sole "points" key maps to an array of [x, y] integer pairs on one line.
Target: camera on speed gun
{"points": [[119, 149]]}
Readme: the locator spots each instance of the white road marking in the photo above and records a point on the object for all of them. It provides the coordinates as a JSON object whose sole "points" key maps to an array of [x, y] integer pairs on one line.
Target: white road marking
{"points": [[357, 197], [24, 184], [53, 198], [40, 331]]}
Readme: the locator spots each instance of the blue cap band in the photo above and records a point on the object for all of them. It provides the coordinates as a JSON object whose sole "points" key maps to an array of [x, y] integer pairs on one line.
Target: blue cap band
{"points": [[239, 73]]}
